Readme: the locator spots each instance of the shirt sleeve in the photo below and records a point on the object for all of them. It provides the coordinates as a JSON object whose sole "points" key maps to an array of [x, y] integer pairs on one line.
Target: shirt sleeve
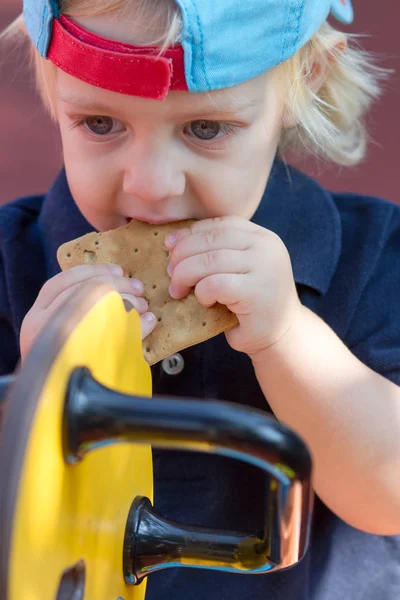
{"points": [[9, 346], [375, 331]]}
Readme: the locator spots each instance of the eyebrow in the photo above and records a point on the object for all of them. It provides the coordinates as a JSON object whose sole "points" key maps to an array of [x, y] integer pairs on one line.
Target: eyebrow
{"points": [[83, 103], [224, 107]]}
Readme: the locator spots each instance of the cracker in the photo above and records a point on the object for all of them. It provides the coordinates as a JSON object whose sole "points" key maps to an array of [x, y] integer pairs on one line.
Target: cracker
{"points": [[139, 249]]}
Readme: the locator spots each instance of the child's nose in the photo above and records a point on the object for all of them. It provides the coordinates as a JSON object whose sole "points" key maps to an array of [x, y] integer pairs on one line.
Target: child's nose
{"points": [[154, 177]]}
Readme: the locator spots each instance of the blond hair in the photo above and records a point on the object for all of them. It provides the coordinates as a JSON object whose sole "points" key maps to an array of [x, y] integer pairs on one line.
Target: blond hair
{"points": [[330, 123]]}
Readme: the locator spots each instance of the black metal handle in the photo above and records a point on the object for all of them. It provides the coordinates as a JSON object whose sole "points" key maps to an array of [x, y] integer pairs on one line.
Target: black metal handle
{"points": [[95, 415]]}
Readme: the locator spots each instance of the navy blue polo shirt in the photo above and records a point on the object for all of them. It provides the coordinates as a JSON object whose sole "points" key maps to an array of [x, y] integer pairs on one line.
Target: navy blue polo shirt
{"points": [[345, 252]]}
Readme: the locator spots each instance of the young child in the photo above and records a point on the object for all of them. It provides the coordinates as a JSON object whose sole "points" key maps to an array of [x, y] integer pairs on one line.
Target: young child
{"points": [[173, 110]]}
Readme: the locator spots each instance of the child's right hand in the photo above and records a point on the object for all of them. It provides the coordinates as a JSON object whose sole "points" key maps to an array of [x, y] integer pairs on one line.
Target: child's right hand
{"points": [[64, 285]]}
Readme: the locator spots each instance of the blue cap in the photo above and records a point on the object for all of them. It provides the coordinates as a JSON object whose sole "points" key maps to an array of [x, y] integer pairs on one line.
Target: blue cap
{"points": [[225, 42]]}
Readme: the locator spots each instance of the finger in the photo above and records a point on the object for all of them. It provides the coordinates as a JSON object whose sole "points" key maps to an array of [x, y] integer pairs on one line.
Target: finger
{"points": [[66, 279], [232, 290], [101, 273], [124, 285], [239, 223], [119, 284], [148, 321], [205, 241], [190, 271], [140, 304]]}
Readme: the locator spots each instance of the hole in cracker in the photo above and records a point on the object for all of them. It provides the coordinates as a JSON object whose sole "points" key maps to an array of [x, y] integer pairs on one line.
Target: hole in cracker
{"points": [[156, 233], [147, 349], [154, 287], [204, 323], [69, 255], [96, 243], [159, 319], [89, 256], [136, 249]]}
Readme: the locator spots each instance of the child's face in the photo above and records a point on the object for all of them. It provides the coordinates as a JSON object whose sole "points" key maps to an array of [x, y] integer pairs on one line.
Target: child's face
{"points": [[191, 156]]}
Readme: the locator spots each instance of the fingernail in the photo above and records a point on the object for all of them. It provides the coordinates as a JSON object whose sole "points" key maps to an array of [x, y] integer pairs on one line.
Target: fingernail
{"points": [[149, 317], [171, 240], [137, 285], [171, 292], [169, 269], [116, 270]]}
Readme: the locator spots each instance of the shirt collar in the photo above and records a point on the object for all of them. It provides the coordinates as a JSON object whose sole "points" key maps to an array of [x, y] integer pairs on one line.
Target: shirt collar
{"points": [[294, 206], [303, 214], [60, 221]]}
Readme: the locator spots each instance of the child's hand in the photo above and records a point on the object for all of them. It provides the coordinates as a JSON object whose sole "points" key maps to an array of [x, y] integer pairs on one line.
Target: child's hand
{"points": [[246, 267], [66, 284]]}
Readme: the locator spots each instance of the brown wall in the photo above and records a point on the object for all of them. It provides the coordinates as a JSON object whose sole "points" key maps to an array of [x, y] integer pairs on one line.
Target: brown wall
{"points": [[30, 153]]}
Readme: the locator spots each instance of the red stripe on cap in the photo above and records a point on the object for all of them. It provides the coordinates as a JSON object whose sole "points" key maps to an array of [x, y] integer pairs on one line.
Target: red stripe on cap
{"points": [[123, 68]]}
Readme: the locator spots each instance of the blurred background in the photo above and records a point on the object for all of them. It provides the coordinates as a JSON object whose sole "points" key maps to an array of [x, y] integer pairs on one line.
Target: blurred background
{"points": [[30, 152]]}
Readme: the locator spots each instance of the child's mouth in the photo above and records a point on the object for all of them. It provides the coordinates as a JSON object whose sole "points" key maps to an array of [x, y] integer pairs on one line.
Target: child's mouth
{"points": [[151, 220]]}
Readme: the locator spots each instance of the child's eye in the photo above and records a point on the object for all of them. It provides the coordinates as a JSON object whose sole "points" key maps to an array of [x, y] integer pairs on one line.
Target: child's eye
{"points": [[100, 125], [208, 130]]}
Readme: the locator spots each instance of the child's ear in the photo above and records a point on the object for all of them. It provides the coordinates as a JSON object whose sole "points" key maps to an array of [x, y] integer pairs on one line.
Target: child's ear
{"points": [[324, 61], [322, 64]]}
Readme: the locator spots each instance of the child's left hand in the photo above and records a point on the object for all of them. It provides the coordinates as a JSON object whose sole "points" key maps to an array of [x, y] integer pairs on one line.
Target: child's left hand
{"points": [[246, 267]]}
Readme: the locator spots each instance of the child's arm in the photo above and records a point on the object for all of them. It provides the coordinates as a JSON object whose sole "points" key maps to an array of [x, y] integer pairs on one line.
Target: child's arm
{"points": [[349, 416]]}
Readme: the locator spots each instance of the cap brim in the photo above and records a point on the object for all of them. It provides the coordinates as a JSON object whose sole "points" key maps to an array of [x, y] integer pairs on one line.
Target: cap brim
{"points": [[343, 11]]}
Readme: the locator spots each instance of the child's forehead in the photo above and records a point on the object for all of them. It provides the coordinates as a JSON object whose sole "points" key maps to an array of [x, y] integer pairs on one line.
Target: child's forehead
{"points": [[240, 100]]}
